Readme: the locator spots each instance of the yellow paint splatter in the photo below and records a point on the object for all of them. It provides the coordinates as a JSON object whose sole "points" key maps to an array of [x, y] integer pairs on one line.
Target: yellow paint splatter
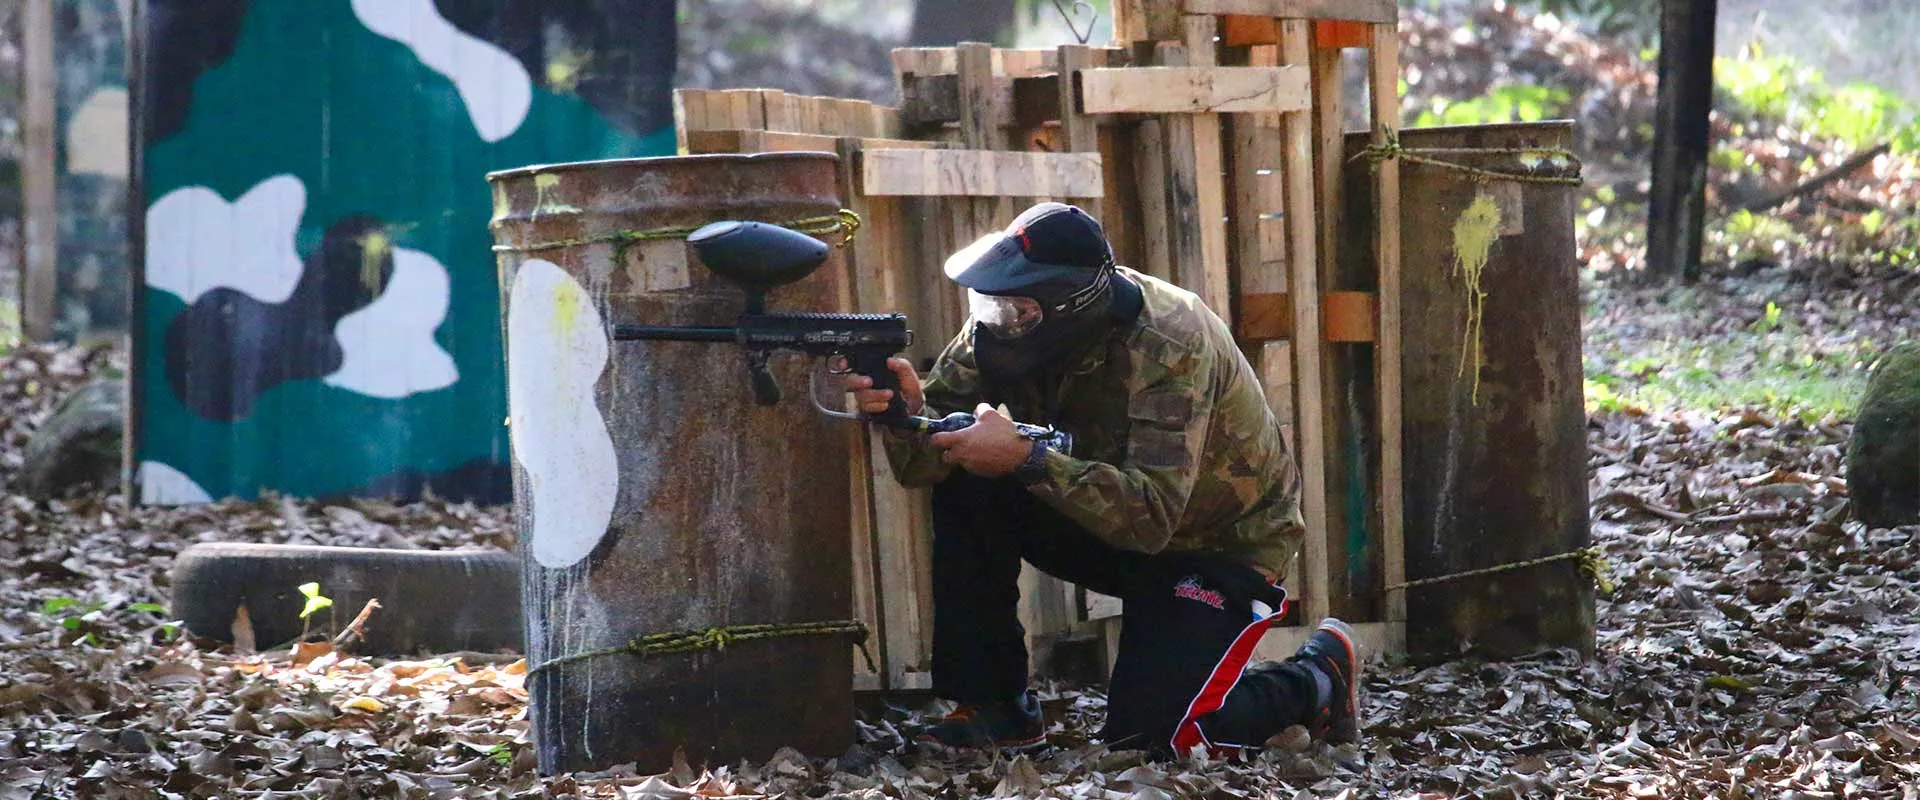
{"points": [[566, 306], [564, 69], [376, 249], [542, 202], [1473, 236]]}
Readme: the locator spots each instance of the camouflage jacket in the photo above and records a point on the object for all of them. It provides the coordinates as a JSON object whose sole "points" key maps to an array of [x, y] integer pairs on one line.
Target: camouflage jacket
{"points": [[1175, 447]]}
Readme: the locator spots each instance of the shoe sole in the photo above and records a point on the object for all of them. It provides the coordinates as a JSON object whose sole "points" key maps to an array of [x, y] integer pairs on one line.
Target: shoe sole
{"points": [[1347, 730]]}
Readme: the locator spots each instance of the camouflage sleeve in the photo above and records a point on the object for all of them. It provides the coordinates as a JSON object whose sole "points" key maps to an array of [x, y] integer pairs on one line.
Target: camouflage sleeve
{"points": [[953, 385], [1139, 504]]}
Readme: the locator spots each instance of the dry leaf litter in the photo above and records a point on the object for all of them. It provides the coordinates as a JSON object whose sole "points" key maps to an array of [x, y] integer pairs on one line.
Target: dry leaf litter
{"points": [[1756, 642]]}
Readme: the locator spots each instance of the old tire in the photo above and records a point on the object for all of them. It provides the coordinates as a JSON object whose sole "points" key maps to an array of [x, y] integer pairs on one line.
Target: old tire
{"points": [[431, 601]]}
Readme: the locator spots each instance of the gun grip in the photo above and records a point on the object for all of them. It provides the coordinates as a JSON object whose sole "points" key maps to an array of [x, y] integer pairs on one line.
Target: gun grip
{"points": [[874, 365], [766, 391]]}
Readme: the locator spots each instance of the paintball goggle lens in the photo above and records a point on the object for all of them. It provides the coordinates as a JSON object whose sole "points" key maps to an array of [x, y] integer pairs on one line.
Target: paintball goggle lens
{"points": [[1005, 317]]}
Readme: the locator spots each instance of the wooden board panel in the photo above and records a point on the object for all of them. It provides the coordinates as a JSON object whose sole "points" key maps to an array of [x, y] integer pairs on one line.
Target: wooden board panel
{"points": [[1345, 316], [729, 141], [1361, 10], [1150, 172], [1374, 638], [1383, 85], [980, 173], [1199, 192], [1304, 280], [1237, 30], [1171, 90]]}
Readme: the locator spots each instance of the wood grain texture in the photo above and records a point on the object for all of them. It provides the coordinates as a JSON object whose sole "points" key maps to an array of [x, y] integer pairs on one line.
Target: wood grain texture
{"points": [[980, 173], [734, 141], [1383, 85], [1304, 261], [1360, 10], [1172, 90]]}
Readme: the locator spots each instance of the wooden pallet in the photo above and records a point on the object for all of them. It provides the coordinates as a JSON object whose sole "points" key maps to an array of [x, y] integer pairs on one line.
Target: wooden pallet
{"points": [[1208, 142]]}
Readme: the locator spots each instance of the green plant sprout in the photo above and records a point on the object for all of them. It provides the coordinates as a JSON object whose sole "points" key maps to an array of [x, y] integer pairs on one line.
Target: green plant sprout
{"points": [[315, 602]]}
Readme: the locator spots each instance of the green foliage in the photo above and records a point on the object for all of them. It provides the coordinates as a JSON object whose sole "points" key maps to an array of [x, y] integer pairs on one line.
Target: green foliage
{"points": [[1784, 90], [1631, 22], [1783, 371], [1509, 103], [83, 622], [501, 753], [9, 324], [1744, 236]]}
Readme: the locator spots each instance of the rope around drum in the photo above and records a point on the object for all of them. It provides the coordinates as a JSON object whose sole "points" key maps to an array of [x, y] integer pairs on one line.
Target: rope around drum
{"points": [[1392, 149], [843, 221], [717, 638], [1591, 564]]}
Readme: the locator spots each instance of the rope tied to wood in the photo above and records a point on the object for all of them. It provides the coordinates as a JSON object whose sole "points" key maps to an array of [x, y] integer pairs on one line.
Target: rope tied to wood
{"points": [[1592, 565], [718, 638], [1431, 156], [844, 222]]}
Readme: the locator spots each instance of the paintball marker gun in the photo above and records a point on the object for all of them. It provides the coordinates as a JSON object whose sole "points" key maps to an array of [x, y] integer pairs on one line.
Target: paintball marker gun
{"points": [[759, 256]]}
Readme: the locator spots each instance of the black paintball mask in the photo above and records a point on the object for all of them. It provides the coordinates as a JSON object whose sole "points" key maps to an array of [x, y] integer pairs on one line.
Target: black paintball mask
{"points": [[1041, 292]]}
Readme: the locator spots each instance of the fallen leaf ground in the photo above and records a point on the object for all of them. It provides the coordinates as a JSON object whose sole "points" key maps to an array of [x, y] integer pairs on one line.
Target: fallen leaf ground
{"points": [[1756, 642]]}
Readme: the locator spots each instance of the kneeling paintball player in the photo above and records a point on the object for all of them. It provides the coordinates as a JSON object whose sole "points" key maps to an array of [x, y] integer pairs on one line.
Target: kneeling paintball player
{"points": [[1178, 497]]}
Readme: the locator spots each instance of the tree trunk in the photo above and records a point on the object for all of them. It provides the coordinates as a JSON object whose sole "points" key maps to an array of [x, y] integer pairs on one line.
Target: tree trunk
{"points": [[945, 23], [1680, 144]]}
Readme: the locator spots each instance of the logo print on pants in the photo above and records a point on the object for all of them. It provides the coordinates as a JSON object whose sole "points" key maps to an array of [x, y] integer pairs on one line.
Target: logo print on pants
{"points": [[1190, 588]]}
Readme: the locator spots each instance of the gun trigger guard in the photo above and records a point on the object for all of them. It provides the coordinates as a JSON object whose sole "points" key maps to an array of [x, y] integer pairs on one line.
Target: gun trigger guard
{"points": [[813, 393]]}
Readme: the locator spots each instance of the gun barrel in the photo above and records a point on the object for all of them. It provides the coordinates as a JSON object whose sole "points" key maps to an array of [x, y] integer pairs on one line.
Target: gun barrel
{"points": [[627, 332]]}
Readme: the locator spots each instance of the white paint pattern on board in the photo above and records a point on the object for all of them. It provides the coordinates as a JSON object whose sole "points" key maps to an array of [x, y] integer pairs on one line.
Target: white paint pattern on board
{"points": [[556, 351], [162, 485], [388, 346], [198, 242], [97, 135], [496, 90]]}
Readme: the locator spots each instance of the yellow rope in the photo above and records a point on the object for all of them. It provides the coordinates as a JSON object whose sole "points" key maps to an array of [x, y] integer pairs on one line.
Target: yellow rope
{"points": [[718, 638], [1392, 149], [843, 221], [1591, 565]]}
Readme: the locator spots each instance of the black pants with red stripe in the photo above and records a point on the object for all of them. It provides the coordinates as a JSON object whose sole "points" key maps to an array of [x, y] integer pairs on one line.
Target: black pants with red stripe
{"points": [[1191, 621]]}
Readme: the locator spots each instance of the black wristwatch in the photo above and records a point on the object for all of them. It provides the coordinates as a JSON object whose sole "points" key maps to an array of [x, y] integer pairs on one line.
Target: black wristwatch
{"points": [[1034, 469]]}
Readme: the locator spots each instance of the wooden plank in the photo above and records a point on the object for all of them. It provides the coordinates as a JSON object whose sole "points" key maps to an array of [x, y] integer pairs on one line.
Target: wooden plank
{"points": [[980, 173], [1334, 34], [39, 176], [903, 633], [1081, 133], [1199, 180], [1199, 89], [1026, 101], [1024, 62], [865, 475], [1263, 316], [1384, 11], [1239, 30], [1259, 260], [1150, 163], [726, 141], [1304, 280], [1374, 638], [1347, 316], [1384, 87]]}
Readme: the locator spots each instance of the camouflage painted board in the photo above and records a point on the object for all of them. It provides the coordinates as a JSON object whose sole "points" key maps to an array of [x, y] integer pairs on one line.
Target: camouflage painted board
{"points": [[319, 309]]}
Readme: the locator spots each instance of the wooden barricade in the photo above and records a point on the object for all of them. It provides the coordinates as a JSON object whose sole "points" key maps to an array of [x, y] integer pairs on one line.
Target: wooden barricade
{"points": [[1208, 143]]}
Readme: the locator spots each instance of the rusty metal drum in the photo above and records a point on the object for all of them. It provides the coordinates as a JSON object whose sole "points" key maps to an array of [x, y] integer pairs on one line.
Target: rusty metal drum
{"points": [[653, 496]]}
